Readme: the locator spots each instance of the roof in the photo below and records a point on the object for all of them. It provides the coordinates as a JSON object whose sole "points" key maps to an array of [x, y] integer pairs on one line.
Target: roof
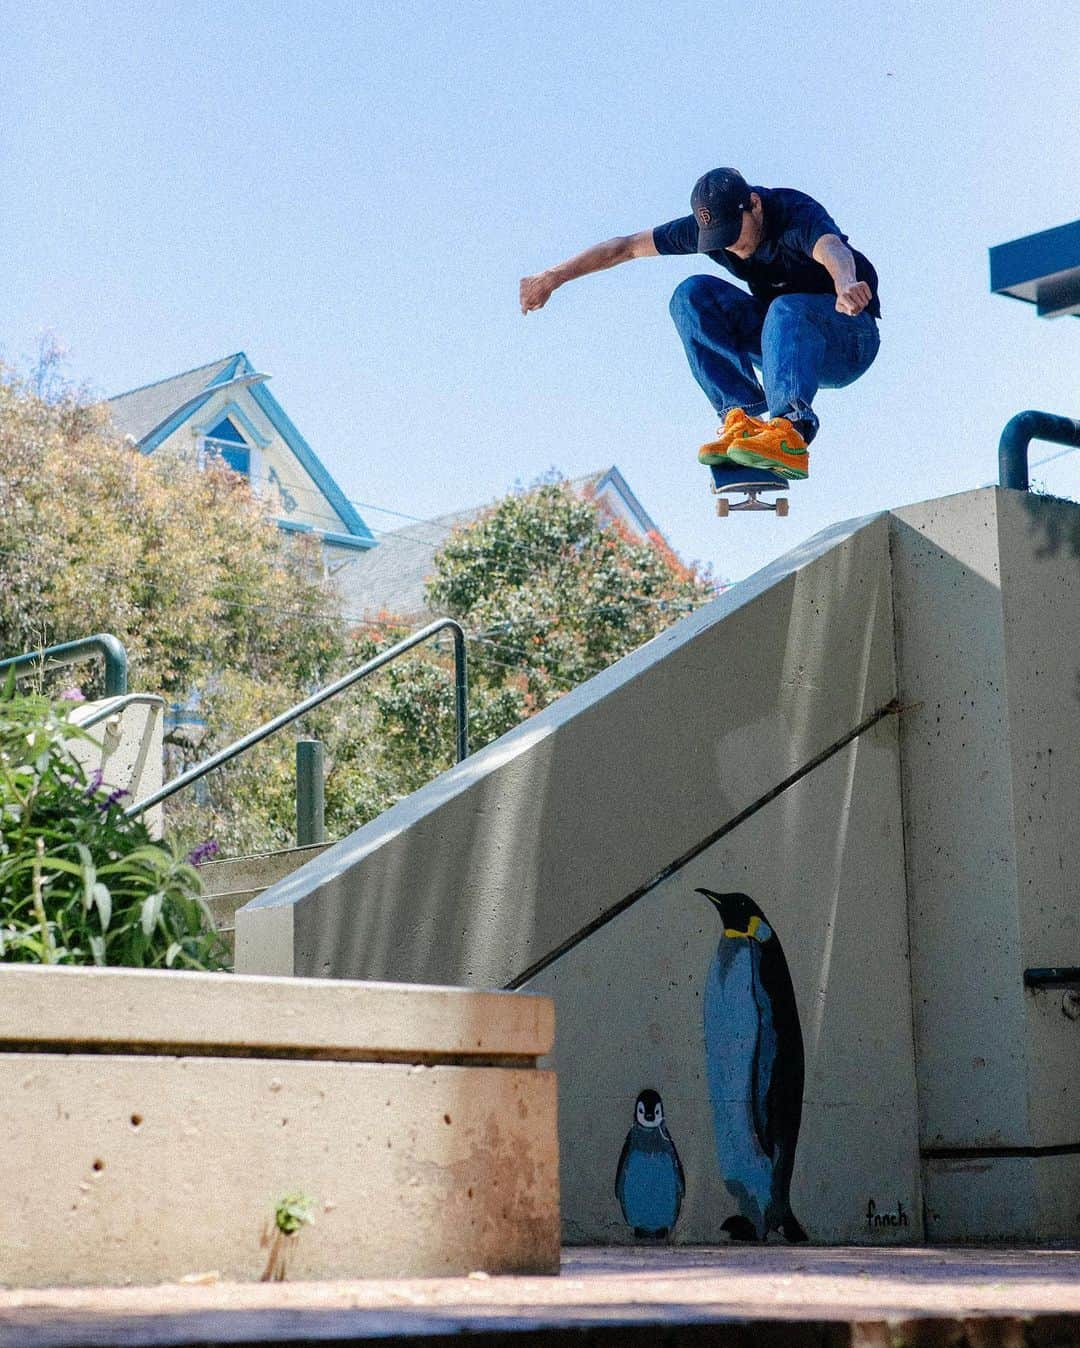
{"points": [[142, 410], [390, 578], [152, 413], [631, 512]]}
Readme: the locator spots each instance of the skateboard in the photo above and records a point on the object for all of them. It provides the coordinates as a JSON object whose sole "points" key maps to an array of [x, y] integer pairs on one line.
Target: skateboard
{"points": [[754, 482]]}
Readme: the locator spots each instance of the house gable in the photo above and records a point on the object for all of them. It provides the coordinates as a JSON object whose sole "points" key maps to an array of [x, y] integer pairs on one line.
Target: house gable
{"points": [[226, 408]]}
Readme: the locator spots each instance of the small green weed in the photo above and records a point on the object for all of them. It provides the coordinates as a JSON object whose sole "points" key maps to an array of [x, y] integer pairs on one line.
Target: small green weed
{"points": [[293, 1212]]}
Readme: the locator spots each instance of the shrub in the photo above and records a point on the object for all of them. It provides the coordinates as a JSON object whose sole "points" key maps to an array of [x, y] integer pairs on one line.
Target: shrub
{"points": [[79, 882]]}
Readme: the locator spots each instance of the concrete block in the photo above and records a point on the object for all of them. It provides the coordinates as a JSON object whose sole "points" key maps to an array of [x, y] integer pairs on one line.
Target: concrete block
{"points": [[958, 818], [987, 597], [988, 625], [126, 744], [482, 873], [1018, 1200], [256, 872], [127, 1010], [1040, 551], [156, 1122]]}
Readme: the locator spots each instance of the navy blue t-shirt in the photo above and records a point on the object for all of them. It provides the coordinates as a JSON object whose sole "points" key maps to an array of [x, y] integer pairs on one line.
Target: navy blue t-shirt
{"points": [[782, 263]]}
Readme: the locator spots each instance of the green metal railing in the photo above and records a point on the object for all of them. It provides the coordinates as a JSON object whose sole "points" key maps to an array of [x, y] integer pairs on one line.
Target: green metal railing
{"points": [[72, 652], [461, 698]]}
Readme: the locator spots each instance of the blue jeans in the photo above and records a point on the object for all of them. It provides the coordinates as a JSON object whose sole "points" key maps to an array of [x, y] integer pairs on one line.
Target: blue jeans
{"points": [[798, 342]]}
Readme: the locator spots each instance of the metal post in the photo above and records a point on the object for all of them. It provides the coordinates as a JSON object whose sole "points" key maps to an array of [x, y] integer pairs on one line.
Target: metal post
{"points": [[461, 693], [310, 793]]}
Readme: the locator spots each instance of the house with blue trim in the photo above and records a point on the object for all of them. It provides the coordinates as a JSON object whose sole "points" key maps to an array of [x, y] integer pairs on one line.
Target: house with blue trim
{"points": [[225, 411]]}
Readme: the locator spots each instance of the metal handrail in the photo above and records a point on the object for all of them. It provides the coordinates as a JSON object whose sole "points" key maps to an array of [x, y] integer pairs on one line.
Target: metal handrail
{"points": [[114, 708], [72, 652], [461, 698]]}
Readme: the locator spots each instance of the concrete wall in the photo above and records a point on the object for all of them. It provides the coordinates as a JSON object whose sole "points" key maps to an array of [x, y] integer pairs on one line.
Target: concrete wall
{"points": [[988, 635], [631, 1016], [494, 865], [126, 746], [939, 1084]]}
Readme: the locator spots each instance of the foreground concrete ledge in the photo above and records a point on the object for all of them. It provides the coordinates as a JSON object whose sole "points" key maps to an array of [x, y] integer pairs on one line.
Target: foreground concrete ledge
{"points": [[158, 1124], [141, 1011]]}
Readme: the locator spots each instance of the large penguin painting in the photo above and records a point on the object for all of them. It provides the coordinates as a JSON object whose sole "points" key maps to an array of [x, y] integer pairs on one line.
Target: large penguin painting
{"points": [[754, 1057]]}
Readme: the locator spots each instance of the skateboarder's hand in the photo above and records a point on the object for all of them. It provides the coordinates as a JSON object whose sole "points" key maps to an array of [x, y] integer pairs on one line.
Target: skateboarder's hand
{"points": [[535, 291], [853, 299]]}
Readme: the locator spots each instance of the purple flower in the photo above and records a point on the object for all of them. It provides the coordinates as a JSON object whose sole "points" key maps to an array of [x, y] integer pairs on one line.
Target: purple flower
{"points": [[95, 781], [203, 852], [72, 695], [117, 794]]}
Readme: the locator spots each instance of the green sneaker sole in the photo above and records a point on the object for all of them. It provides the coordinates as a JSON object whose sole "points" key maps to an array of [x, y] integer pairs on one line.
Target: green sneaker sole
{"points": [[710, 460], [749, 459]]}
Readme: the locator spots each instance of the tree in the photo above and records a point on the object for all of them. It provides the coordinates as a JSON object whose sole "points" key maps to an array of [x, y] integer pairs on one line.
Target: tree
{"points": [[550, 593], [555, 593], [218, 609], [223, 613]]}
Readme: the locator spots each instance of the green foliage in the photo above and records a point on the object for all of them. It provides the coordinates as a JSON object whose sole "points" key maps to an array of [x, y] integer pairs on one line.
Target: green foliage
{"points": [[557, 592], [551, 593], [217, 608], [80, 883], [222, 612]]}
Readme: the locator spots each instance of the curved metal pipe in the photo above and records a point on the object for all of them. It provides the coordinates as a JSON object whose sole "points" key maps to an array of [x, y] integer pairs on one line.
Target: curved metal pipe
{"points": [[1017, 436], [71, 652], [117, 705]]}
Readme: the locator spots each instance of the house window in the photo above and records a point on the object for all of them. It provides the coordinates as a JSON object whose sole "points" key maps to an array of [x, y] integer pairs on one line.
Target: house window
{"points": [[226, 442]]}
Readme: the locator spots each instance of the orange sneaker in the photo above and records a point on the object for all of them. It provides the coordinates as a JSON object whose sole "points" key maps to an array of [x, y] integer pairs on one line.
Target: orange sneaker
{"points": [[778, 447], [736, 424]]}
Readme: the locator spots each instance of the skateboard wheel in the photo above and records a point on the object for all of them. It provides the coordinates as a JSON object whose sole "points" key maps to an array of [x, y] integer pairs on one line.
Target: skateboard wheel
{"points": [[722, 506], [782, 505]]}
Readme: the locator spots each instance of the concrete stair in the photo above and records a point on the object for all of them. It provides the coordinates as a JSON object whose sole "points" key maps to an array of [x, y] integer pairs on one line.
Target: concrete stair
{"points": [[233, 881]]}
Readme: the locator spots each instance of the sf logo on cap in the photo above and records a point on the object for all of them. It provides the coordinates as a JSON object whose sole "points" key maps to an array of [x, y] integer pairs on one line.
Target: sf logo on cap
{"points": [[704, 218]]}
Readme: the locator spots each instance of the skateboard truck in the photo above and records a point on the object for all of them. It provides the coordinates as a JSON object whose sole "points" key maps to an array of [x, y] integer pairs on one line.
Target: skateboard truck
{"points": [[753, 482]]}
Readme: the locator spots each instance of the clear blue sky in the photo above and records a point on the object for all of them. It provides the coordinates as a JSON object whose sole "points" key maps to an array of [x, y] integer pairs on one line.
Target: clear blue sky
{"points": [[350, 192]]}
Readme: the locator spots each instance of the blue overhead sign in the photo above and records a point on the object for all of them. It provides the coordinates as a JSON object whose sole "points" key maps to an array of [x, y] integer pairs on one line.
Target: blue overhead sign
{"points": [[1043, 269]]}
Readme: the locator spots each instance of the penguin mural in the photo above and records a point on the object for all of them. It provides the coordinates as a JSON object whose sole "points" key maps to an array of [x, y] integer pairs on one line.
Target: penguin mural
{"points": [[754, 1057], [649, 1181]]}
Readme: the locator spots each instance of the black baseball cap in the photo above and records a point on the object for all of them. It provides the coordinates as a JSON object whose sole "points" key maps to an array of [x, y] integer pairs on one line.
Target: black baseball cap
{"points": [[718, 201]]}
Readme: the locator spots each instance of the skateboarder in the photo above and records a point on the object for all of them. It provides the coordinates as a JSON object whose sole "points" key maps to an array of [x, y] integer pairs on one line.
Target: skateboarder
{"points": [[809, 320]]}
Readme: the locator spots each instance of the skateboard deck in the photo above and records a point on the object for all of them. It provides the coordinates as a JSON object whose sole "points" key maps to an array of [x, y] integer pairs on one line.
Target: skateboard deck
{"points": [[753, 483]]}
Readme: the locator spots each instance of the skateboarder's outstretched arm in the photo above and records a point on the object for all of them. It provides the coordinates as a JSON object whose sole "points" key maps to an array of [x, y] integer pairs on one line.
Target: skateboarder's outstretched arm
{"points": [[537, 290]]}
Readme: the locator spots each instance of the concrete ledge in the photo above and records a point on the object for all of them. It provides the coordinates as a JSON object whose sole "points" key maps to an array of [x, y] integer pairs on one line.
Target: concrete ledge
{"points": [[142, 1011], [154, 1123]]}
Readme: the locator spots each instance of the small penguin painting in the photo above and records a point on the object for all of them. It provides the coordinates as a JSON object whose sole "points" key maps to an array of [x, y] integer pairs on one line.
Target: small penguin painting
{"points": [[755, 1068], [649, 1181]]}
